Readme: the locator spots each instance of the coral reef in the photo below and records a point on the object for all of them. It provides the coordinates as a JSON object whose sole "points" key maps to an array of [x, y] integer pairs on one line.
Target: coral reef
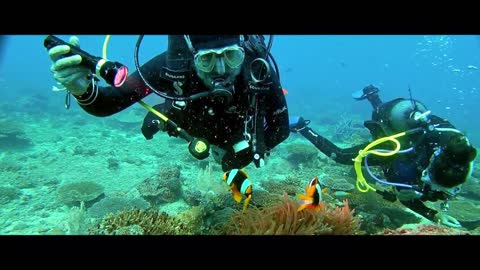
{"points": [[283, 219], [86, 151], [73, 194], [337, 184], [12, 136], [219, 207], [9, 165], [349, 130], [425, 230], [207, 181], [341, 219], [76, 222], [476, 172], [291, 185], [193, 219], [215, 202], [378, 214], [262, 198], [164, 187], [141, 222], [8, 194], [215, 221], [465, 211], [116, 204], [192, 197], [470, 189], [301, 153]]}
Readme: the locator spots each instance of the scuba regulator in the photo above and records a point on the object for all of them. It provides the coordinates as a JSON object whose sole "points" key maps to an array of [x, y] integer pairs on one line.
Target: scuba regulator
{"points": [[258, 85]]}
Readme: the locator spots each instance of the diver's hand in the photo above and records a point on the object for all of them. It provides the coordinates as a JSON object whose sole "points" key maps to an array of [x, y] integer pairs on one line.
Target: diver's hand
{"points": [[297, 123], [67, 70], [447, 220]]}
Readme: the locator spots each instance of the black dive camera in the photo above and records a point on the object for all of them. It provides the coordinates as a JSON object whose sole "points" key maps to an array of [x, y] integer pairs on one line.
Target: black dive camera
{"points": [[113, 73]]}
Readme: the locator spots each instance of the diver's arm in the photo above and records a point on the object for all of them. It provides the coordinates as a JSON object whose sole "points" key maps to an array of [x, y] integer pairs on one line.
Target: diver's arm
{"points": [[419, 207], [276, 116], [111, 100], [342, 156]]}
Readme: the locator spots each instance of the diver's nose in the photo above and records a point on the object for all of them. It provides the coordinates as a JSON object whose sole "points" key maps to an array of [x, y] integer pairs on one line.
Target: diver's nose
{"points": [[220, 66]]}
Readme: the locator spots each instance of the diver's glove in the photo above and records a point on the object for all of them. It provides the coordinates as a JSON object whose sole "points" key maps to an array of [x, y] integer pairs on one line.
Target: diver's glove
{"points": [[67, 70], [447, 220], [297, 123]]}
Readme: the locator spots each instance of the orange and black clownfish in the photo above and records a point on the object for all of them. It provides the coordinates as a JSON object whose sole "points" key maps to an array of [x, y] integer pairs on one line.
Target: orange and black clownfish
{"points": [[239, 184], [313, 197]]}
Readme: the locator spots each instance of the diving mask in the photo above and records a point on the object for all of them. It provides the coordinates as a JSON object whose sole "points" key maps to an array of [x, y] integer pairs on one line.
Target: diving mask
{"points": [[233, 56]]}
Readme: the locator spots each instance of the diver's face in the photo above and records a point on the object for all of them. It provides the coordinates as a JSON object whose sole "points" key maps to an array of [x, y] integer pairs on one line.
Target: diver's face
{"points": [[225, 66], [220, 71]]}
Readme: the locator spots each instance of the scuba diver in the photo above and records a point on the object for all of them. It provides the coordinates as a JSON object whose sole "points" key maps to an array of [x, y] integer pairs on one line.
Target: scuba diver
{"points": [[223, 89], [423, 157]]}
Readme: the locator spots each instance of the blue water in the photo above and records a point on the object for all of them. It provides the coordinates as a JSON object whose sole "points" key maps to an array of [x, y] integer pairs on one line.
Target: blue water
{"points": [[317, 70], [320, 73]]}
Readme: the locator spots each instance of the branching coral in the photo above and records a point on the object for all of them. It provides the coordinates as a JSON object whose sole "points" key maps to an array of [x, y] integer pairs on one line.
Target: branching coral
{"points": [[145, 222]]}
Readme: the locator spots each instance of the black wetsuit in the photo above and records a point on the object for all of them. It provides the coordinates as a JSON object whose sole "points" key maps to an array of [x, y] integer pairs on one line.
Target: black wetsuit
{"points": [[404, 168], [220, 125]]}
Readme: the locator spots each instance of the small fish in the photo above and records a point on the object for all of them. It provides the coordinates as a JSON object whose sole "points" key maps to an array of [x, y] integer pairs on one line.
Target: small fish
{"points": [[341, 194], [284, 91], [313, 197], [240, 185], [472, 67]]}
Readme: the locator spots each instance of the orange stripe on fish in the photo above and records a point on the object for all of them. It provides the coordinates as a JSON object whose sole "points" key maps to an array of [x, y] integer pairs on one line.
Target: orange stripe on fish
{"points": [[313, 195]]}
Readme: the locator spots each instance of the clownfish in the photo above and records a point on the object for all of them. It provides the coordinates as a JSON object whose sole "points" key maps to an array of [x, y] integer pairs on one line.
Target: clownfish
{"points": [[313, 197], [240, 185]]}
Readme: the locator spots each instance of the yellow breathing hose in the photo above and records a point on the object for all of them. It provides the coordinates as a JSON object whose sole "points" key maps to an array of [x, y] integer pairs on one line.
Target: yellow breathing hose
{"points": [[361, 183], [105, 45]]}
